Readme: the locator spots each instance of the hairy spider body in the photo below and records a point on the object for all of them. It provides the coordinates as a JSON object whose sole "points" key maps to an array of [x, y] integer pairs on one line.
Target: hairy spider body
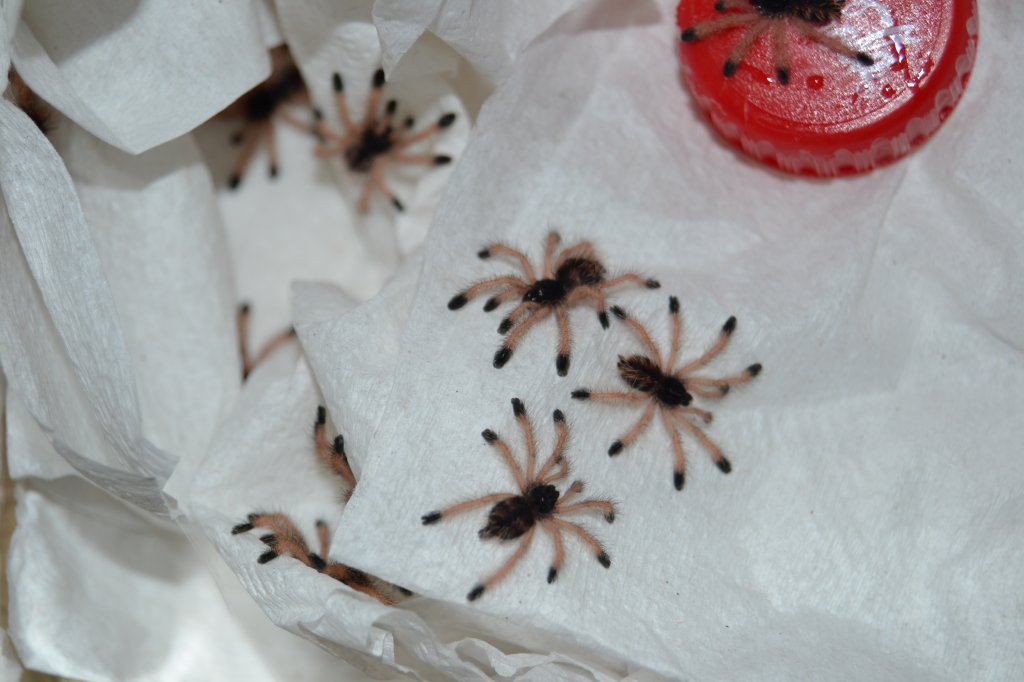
{"points": [[375, 141], [538, 504], [669, 389], [778, 18], [285, 538], [568, 278]]}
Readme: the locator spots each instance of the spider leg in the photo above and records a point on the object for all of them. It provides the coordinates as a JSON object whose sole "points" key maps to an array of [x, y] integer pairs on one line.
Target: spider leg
{"points": [[780, 51], [519, 410], [607, 507], [332, 454], [341, 105], [249, 363], [374, 99], [632, 278], [743, 45], [384, 123], [511, 281], [496, 577], [556, 539], [269, 347], [717, 347], [641, 333], [809, 30], [594, 294], [716, 452], [422, 159], [677, 330], [239, 135], [324, 537], [572, 491], [443, 122], [710, 27], [271, 136], [703, 392], [509, 320], [723, 5], [499, 249], [550, 244], [611, 396], [461, 507], [506, 453], [556, 457], [363, 203], [679, 475], [635, 431], [252, 139], [725, 383], [564, 341], [357, 580], [285, 537], [587, 538], [516, 335], [579, 250]]}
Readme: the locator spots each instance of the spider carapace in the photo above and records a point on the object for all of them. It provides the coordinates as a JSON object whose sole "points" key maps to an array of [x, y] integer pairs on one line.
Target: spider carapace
{"points": [[512, 517], [572, 274]]}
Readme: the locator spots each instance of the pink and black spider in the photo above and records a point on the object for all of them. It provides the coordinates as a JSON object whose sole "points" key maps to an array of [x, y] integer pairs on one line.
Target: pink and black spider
{"points": [[538, 503], [805, 17], [285, 538], [668, 388], [369, 145], [568, 278], [250, 362], [261, 106]]}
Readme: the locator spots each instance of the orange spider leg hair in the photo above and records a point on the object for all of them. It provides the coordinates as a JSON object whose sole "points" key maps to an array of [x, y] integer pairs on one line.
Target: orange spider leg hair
{"points": [[333, 454], [250, 363], [497, 576], [284, 537]]}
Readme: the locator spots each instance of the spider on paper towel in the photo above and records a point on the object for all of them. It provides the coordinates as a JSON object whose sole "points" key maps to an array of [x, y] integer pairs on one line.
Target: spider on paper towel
{"points": [[575, 276], [805, 17], [538, 503], [249, 362], [286, 539], [669, 389], [261, 106], [368, 145]]}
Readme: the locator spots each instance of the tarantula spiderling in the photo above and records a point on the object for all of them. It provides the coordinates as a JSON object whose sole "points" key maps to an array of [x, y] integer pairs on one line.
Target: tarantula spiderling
{"points": [[805, 17], [568, 278], [250, 362], [668, 387], [537, 504], [369, 145], [261, 107], [286, 539]]}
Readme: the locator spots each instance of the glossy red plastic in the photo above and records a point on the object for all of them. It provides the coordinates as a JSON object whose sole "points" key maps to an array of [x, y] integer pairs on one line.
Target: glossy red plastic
{"points": [[836, 116]]}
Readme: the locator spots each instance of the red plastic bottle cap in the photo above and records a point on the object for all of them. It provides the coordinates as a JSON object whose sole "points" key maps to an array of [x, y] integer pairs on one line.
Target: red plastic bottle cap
{"points": [[827, 87]]}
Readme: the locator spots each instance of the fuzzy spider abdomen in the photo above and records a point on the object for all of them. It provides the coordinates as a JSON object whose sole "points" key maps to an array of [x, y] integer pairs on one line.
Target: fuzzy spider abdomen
{"points": [[509, 519], [643, 374], [546, 292], [579, 272], [814, 11], [371, 144], [261, 104]]}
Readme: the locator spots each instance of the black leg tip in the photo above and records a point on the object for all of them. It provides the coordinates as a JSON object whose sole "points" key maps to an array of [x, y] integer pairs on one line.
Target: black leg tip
{"points": [[483, 254], [730, 325], [604, 559], [446, 120], [581, 394], [679, 480], [518, 409], [273, 171], [552, 575], [391, 107], [320, 523], [610, 517], [475, 593], [619, 312], [783, 76], [489, 436], [317, 561], [724, 465], [317, 114], [602, 317], [338, 84], [378, 78], [865, 59], [236, 139], [754, 369], [505, 325], [558, 416], [673, 305], [729, 69], [442, 160], [689, 35], [457, 302], [432, 517], [269, 540], [719, 6], [241, 528], [244, 309], [562, 364], [409, 123], [652, 284], [615, 449], [321, 415], [724, 390], [407, 593], [269, 555], [502, 357], [234, 181], [399, 206], [490, 305], [339, 444]]}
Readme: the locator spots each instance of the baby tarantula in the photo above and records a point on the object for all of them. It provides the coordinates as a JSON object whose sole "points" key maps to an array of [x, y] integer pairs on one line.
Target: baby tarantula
{"points": [[806, 17], [286, 538], [250, 362], [669, 389], [575, 276], [368, 145], [538, 503], [261, 106]]}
